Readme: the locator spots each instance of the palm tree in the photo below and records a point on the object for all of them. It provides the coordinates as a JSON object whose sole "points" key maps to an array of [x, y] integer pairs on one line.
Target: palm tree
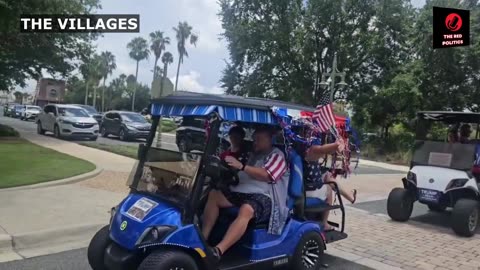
{"points": [[184, 32], [167, 59], [108, 65], [157, 45], [138, 51], [91, 72]]}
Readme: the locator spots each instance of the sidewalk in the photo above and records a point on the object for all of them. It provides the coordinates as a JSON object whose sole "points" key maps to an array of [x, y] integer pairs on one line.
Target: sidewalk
{"points": [[44, 220]]}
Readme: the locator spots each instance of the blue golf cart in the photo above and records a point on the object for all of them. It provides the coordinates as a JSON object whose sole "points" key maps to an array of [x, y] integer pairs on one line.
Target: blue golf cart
{"points": [[157, 226]]}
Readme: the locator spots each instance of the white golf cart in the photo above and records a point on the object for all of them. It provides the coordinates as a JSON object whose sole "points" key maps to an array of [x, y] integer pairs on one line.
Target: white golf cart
{"points": [[444, 171]]}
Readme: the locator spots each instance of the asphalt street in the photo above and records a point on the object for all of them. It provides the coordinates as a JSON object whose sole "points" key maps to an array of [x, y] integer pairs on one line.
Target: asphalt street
{"points": [[77, 260]]}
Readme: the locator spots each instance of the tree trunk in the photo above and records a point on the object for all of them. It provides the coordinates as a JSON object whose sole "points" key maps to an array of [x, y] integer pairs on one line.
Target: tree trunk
{"points": [[154, 69], [95, 95], [86, 93], [159, 128], [103, 95], [135, 88], [178, 72]]}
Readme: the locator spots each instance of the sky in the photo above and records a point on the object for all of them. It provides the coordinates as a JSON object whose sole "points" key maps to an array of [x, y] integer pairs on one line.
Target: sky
{"points": [[202, 70]]}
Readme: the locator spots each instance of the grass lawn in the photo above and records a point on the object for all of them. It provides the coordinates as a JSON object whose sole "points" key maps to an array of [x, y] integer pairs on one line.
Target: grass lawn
{"points": [[124, 150], [25, 163]]}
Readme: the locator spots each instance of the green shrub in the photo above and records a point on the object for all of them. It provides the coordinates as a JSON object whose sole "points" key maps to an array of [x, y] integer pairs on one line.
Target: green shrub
{"points": [[6, 131]]}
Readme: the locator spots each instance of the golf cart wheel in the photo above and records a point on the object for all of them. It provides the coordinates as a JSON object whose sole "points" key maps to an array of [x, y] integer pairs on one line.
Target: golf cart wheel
{"points": [[103, 132], [96, 249], [40, 130], [437, 208], [167, 260], [309, 252], [465, 217], [400, 204], [122, 135]]}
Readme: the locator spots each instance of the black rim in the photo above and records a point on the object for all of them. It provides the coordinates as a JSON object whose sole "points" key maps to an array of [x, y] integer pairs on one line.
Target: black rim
{"points": [[122, 135], [57, 132], [472, 220], [103, 131], [183, 146], [310, 254]]}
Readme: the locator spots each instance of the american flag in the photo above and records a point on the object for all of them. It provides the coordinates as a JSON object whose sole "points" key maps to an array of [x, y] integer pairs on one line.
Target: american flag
{"points": [[323, 115]]}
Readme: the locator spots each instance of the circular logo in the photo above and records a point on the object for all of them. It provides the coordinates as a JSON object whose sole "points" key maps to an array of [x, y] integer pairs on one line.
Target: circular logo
{"points": [[453, 22], [431, 180], [123, 226]]}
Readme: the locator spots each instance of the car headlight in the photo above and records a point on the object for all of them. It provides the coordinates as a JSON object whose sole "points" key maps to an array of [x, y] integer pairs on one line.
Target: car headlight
{"points": [[154, 234], [130, 127], [457, 183]]}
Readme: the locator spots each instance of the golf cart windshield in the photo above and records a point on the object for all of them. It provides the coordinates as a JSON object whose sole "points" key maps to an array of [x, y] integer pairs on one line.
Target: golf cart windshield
{"points": [[169, 174], [441, 139]]}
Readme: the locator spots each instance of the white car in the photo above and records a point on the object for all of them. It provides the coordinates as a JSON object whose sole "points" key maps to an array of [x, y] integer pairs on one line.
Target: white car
{"points": [[67, 121], [444, 171], [30, 112]]}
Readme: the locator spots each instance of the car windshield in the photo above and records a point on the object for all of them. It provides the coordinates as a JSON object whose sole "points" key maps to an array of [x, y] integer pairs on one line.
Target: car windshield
{"points": [[72, 112], [169, 174], [89, 109], [33, 108], [18, 107], [133, 117]]}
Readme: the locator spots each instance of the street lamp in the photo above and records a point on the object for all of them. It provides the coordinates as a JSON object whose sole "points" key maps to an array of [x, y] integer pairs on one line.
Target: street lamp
{"points": [[331, 78]]}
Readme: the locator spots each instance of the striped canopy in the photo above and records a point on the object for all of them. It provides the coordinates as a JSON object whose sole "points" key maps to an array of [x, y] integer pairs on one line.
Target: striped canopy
{"points": [[228, 113]]}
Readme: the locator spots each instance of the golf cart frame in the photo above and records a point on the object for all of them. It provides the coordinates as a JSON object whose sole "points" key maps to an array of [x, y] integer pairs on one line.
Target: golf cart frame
{"points": [[442, 174], [174, 226]]}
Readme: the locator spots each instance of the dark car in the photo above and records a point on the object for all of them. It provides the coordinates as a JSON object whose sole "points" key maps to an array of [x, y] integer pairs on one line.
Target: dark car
{"points": [[17, 111], [190, 134], [92, 112], [9, 109], [126, 125]]}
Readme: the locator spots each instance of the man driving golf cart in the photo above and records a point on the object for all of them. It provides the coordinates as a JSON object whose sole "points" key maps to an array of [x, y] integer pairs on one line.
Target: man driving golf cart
{"points": [[443, 172]]}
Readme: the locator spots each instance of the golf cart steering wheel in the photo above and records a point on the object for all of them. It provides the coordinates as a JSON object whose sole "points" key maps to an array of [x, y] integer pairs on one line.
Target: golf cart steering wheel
{"points": [[221, 174]]}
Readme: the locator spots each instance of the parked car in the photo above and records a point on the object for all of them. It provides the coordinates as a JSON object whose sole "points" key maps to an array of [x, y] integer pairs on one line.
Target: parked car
{"points": [[92, 112], [8, 110], [30, 112], [67, 121], [126, 125], [17, 111], [190, 135]]}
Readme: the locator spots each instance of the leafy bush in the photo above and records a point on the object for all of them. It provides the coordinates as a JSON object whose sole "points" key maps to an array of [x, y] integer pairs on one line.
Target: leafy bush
{"points": [[6, 131], [168, 125]]}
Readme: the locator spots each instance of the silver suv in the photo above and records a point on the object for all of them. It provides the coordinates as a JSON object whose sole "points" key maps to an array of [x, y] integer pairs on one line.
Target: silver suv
{"points": [[67, 121]]}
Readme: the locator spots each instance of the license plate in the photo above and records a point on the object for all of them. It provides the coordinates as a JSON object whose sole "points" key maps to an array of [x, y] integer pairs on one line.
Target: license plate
{"points": [[428, 195]]}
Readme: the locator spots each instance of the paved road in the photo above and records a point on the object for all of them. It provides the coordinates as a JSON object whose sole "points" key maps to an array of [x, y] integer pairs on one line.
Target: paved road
{"points": [[420, 213], [77, 260]]}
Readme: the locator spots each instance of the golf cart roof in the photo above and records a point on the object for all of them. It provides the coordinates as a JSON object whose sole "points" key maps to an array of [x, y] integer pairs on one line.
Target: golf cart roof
{"points": [[449, 116], [229, 107]]}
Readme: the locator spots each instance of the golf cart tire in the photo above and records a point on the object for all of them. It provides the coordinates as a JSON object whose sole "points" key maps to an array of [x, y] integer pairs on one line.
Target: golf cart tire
{"points": [[461, 213], [96, 249], [168, 259], [307, 241], [437, 208], [400, 204]]}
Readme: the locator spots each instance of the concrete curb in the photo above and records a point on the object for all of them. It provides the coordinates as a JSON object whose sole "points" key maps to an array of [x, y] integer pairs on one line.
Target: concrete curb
{"points": [[5, 243], [54, 236], [359, 259], [65, 181], [384, 165]]}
